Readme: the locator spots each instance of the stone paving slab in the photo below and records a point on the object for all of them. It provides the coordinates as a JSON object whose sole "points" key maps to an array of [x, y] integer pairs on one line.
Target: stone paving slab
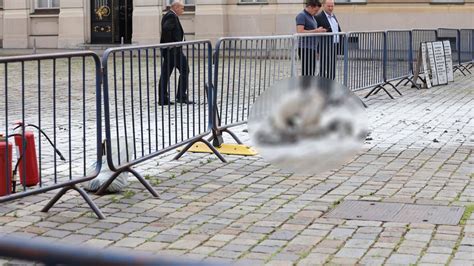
{"points": [[247, 211]]}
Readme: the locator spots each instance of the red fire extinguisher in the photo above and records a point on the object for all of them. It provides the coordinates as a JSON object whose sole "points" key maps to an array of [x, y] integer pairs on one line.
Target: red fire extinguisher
{"points": [[6, 149], [29, 168]]}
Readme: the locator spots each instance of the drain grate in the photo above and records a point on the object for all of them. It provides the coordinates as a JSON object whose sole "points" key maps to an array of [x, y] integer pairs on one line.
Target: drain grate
{"points": [[397, 212]]}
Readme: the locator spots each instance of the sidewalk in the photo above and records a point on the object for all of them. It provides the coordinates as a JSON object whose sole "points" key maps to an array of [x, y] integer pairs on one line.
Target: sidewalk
{"points": [[247, 211]]}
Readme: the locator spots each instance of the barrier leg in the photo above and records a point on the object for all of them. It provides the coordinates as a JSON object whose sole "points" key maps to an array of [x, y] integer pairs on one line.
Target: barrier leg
{"points": [[413, 84], [102, 189], [460, 70], [81, 192], [109, 181], [374, 91], [233, 136], [377, 89], [213, 137], [395, 88], [408, 79], [143, 181], [208, 144], [462, 67]]}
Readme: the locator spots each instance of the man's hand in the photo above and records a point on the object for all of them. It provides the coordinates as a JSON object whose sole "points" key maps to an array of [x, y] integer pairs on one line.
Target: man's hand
{"points": [[320, 29]]}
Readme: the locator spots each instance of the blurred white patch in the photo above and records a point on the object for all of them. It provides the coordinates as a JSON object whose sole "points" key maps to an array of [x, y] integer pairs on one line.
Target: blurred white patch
{"points": [[307, 125]]}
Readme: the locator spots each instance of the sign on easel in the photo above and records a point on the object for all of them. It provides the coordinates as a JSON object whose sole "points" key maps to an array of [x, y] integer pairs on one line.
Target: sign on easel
{"points": [[425, 68], [449, 60], [432, 64], [434, 60], [440, 62]]}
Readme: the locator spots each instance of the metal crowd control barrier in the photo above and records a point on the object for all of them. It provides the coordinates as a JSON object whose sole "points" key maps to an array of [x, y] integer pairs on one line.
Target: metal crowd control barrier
{"points": [[140, 119], [466, 48], [26, 249], [56, 99], [453, 36], [399, 57], [321, 54], [244, 68], [366, 61]]}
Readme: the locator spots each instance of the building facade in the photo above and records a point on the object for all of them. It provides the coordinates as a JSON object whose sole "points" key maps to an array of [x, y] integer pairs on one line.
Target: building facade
{"points": [[75, 24]]}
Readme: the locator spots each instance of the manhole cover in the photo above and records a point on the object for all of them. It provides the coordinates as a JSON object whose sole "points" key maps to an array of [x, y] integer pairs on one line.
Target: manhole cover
{"points": [[397, 212], [365, 210], [429, 214]]}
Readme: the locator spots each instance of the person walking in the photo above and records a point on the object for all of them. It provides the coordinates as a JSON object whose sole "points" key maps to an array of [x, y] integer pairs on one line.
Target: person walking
{"points": [[172, 31]]}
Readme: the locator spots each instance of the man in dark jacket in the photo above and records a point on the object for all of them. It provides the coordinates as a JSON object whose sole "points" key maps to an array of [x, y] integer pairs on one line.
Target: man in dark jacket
{"points": [[307, 45], [329, 44], [172, 31]]}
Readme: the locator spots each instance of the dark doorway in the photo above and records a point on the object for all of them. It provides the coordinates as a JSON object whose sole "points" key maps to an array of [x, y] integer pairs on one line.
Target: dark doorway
{"points": [[111, 20]]}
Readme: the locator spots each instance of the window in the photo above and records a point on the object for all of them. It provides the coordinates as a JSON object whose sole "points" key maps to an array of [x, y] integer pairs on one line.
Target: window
{"points": [[448, 1], [253, 1], [1, 4], [186, 2], [351, 1], [45, 4]]}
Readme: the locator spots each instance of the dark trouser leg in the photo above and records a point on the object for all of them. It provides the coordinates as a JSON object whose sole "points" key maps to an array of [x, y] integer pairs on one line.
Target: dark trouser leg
{"points": [[183, 77], [328, 60], [166, 69], [308, 61]]}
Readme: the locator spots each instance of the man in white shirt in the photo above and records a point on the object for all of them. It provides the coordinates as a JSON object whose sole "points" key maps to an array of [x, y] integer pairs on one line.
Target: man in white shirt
{"points": [[329, 45]]}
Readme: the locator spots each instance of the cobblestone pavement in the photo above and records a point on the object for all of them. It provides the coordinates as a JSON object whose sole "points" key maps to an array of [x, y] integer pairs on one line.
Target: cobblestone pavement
{"points": [[247, 211]]}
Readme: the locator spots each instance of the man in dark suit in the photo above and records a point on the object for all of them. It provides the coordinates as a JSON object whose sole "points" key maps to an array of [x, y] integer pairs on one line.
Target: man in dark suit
{"points": [[329, 44], [172, 31]]}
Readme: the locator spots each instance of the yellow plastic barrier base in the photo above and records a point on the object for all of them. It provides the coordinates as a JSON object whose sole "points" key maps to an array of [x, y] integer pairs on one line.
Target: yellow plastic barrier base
{"points": [[233, 149]]}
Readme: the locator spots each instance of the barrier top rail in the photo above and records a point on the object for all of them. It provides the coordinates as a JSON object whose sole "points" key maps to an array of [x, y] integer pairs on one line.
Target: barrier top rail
{"points": [[319, 34], [150, 46], [254, 38], [21, 58]]}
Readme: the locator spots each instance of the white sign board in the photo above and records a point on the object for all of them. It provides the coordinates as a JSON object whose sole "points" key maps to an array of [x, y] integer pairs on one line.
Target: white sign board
{"points": [[434, 74], [426, 68], [440, 63], [449, 60]]}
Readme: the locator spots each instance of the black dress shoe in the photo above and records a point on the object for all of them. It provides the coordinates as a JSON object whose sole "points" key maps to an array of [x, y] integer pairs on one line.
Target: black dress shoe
{"points": [[166, 103], [186, 101]]}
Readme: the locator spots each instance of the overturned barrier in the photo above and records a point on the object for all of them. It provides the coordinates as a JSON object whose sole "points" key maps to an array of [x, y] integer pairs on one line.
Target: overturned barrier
{"points": [[50, 104]]}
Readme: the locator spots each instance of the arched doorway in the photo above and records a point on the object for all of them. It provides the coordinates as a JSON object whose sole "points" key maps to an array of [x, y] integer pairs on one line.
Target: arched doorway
{"points": [[111, 20]]}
